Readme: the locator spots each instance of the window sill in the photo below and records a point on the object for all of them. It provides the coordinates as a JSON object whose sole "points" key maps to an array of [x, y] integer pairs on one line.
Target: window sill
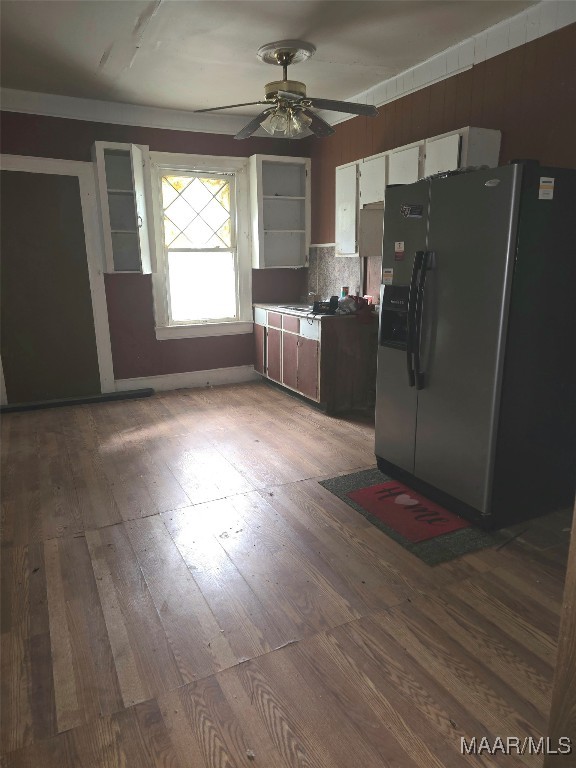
{"points": [[198, 330]]}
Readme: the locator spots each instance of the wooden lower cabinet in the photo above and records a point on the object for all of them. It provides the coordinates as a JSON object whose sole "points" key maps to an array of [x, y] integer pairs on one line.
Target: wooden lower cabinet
{"points": [[290, 360], [300, 364], [336, 367], [308, 373], [273, 354], [259, 348]]}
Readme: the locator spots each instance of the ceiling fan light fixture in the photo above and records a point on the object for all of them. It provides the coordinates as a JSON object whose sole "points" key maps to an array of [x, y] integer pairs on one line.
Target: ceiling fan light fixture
{"points": [[298, 125], [277, 121], [289, 112], [287, 123]]}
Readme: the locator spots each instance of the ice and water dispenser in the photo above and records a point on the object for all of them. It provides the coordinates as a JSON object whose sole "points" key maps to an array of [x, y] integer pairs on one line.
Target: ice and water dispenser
{"points": [[394, 316]]}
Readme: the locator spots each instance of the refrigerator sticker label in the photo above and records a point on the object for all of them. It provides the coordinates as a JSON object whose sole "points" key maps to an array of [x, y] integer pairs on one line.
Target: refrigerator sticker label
{"points": [[399, 251], [412, 211], [387, 276], [546, 190]]}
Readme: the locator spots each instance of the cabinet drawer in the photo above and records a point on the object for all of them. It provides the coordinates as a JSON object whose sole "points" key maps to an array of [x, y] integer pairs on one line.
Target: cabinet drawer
{"points": [[291, 323], [275, 319], [310, 328], [259, 315]]}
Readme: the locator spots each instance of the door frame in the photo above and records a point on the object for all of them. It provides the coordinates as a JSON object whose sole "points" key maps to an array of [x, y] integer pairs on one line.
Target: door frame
{"points": [[85, 174]]}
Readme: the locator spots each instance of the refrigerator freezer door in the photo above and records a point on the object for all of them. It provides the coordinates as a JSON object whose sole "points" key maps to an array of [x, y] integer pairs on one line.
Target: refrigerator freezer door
{"points": [[472, 233], [405, 227], [395, 410]]}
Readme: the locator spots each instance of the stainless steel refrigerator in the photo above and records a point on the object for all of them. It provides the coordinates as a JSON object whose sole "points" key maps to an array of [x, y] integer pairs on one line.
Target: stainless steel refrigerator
{"points": [[475, 403]]}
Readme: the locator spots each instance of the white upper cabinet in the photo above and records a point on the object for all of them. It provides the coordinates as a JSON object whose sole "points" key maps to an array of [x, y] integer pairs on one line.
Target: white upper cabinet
{"points": [[372, 179], [442, 154], [347, 210], [468, 147], [480, 146], [124, 193], [364, 182], [404, 164], [280, 210]]}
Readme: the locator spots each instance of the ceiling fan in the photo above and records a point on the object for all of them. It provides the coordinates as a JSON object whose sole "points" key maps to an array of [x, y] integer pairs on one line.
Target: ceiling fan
{"points": [[288, 110]]}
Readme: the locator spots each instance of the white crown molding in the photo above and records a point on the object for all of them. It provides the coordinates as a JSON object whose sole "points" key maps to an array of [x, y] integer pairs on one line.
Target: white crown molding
{"points": [[532, 23], [51, 105]]}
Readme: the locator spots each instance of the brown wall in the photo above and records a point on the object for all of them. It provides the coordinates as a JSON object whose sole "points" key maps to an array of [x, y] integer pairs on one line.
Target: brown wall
{"points": [[135, 349], [73, 139], [528, 93]]}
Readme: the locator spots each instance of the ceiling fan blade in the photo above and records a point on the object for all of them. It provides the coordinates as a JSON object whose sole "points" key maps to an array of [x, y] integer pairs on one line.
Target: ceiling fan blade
{"points": [[344, 106], [318, 126], [253, 125], [229, 106]]}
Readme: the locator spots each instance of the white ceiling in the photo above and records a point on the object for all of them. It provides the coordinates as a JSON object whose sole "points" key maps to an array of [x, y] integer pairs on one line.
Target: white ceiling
{"points": [[186, 55]]}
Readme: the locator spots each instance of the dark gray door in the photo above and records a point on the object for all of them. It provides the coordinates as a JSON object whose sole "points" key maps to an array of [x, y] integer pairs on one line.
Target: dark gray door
{"points": [[48, 341], [405, 227], [472, 232]]}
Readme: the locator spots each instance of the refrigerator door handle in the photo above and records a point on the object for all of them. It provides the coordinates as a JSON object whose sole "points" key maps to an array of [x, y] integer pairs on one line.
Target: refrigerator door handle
{"points": [[411, 318], [427, 261]]}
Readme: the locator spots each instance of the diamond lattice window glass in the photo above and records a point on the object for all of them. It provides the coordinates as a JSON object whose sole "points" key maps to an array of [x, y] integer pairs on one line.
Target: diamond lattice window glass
{"points": [[196, 212], [200, 250]]}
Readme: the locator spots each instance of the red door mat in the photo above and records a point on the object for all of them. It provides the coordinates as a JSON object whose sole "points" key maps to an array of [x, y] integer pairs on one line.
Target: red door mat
{"points": [[408, 513]]}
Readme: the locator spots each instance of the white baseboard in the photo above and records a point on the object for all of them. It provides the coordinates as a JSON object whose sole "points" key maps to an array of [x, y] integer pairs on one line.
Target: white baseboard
{"points": [[236, 375]]}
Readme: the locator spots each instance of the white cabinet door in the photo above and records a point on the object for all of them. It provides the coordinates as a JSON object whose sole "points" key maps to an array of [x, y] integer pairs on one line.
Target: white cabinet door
{"points": [[480, 146], [139, 186], [346, 210], [280, 206], [124, 181], [372, 180], [442, 155], [404, 166]]}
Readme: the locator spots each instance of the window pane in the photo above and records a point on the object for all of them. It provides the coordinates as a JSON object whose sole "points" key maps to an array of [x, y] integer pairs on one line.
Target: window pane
{"points": [[196, 212], [197, 194], [202, 285], [223, 197], [169, 194], [198, 233], [179, 183], [180, 213], [214, 215]]}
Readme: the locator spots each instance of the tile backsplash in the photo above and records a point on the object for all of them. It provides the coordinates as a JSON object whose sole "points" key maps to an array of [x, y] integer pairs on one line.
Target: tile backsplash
{"points": [[327, 272]]}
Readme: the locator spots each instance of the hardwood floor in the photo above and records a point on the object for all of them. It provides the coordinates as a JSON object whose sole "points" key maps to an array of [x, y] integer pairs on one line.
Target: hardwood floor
{"points": [[179, 591]]}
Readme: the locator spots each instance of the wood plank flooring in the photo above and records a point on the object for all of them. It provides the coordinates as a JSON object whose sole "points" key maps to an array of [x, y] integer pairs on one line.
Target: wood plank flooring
{"points": [[178, 590]]}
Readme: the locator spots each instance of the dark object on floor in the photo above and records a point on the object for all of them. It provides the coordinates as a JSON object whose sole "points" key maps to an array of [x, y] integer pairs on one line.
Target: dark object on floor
{"points": [[410, 514], [447, 546], [131, 394]]}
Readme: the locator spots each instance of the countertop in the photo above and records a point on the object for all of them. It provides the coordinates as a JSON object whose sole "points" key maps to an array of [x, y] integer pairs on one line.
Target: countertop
{"points": [[301, 310]]}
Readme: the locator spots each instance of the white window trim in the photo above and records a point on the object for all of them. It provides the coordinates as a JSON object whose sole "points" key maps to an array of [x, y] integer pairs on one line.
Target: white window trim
{"points": [[161, 161]]}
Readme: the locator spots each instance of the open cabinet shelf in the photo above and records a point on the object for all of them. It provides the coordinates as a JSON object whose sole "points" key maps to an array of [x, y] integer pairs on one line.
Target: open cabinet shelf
{"points": [[280, 206]]}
